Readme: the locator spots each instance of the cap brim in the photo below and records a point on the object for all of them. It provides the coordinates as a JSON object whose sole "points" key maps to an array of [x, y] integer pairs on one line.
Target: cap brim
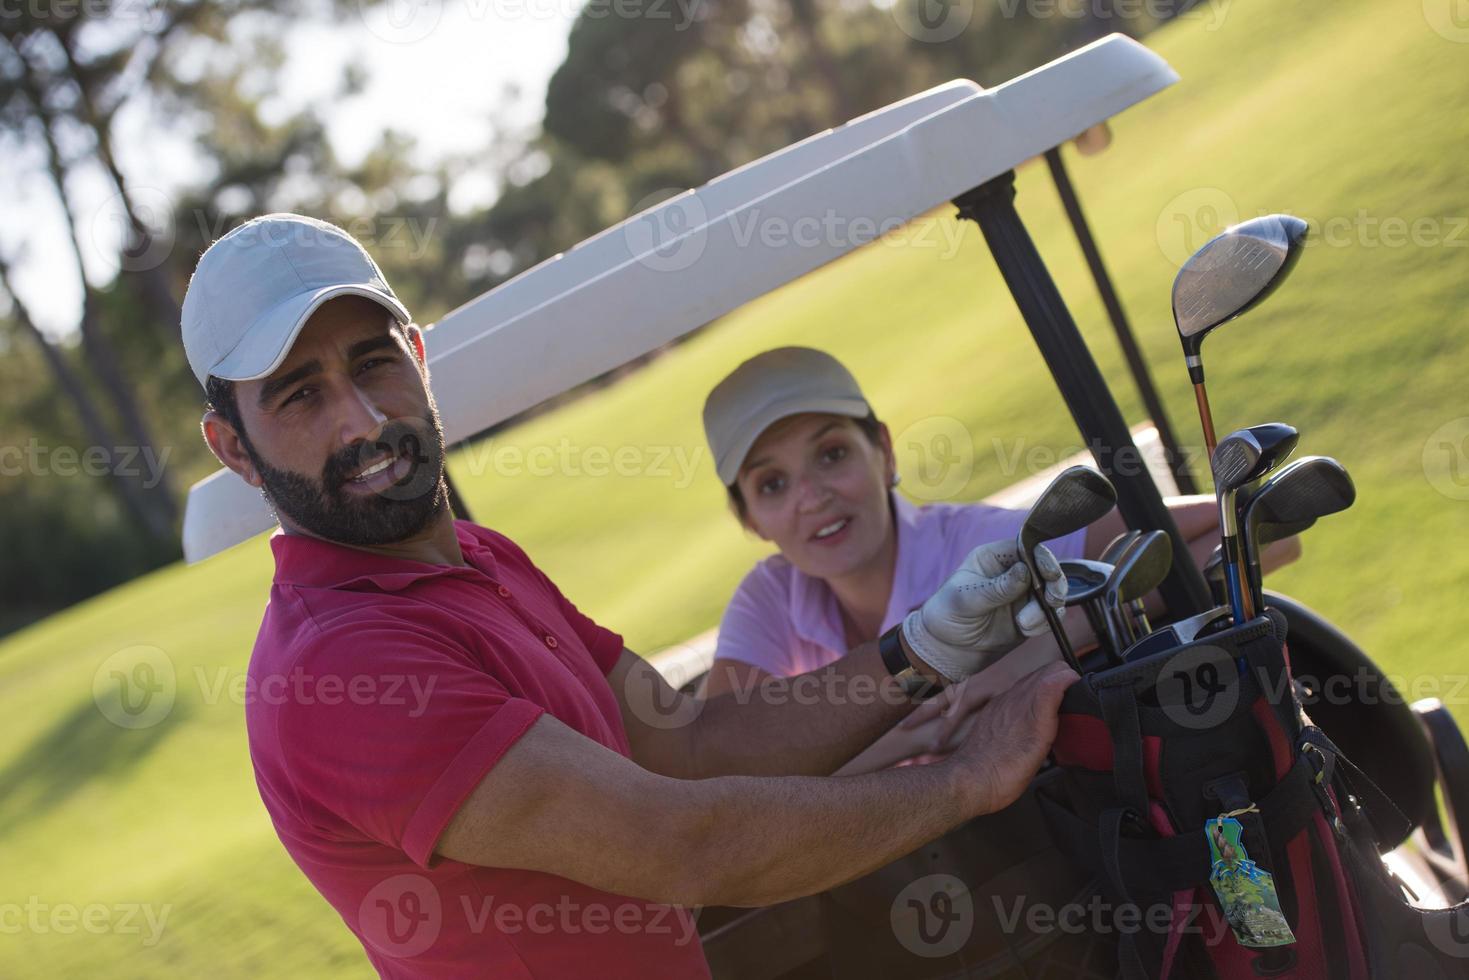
{"points": [[269, 339], [728, 465]]}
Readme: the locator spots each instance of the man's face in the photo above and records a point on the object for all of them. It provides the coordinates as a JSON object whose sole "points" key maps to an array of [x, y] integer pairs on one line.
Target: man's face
{"points": [[344, 437]]}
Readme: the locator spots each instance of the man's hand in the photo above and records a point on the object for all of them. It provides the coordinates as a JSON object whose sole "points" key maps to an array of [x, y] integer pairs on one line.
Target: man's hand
{"points": [[983, 611], [1009, 738]]}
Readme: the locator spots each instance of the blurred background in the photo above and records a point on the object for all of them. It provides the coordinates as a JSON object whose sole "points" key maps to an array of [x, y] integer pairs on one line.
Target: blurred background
{"points": [[463, 142]]}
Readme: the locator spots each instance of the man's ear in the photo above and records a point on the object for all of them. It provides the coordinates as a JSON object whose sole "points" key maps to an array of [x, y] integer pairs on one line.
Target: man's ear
{"points": [[228, 447], [415, 340]]}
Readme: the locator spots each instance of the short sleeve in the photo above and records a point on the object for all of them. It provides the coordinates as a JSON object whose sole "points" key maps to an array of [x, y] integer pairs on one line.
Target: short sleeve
{"points": [[390, 730], [756, 626]]}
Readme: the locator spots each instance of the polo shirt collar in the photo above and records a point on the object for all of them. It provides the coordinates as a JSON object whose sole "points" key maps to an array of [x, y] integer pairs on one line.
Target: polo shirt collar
{"points": [[815, 614], [310, 562]]}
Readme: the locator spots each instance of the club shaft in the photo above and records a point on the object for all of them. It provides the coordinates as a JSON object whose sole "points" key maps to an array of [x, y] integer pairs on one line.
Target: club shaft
{"points": [[1206, 418], [1057, 630]]}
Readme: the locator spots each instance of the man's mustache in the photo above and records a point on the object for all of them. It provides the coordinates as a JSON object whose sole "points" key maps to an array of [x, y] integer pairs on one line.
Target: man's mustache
{"points": [[398, 437]]}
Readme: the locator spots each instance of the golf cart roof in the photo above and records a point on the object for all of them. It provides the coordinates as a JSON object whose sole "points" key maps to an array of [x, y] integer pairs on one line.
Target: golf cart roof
{"points": [[697, 256]]}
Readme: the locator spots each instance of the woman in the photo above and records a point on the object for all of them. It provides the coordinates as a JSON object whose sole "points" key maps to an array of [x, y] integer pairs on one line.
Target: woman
{"points": [[809, 468]]}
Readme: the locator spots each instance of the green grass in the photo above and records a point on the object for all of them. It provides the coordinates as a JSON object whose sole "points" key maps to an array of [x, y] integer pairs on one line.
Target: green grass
{"points": [[1325, 110]]}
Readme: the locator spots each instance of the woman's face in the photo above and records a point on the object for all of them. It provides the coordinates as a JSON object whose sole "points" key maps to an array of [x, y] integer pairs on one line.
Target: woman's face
{"points": [[817, 487]]}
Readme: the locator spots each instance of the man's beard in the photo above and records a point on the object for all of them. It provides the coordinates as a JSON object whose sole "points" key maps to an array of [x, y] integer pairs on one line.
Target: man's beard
{"points": [[323, 508]]}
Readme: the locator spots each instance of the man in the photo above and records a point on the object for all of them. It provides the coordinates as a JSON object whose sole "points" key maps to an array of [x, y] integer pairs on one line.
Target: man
{"points": [[481, 780]]}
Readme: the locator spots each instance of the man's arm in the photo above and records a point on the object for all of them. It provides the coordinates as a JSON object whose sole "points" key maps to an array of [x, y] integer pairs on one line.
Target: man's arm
{"points": [[809, 724], [560, 803]]}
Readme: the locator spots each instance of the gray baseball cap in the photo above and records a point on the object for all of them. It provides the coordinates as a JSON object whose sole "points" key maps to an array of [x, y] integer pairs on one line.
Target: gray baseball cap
{"points": [[255, 288], [769, 387]]}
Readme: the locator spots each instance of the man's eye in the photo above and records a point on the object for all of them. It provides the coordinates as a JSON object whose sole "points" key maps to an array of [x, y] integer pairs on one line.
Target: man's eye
{"points": [[299, 393], [373, 362]]}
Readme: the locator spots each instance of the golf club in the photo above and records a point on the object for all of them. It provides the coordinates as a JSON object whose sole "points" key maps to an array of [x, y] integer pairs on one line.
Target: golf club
{"points": [[1265, 533], [1139, 571], [1076, 497], [1109, 555], [1085, 582], [1242, 457], [1233, 272], [1292, 499]]}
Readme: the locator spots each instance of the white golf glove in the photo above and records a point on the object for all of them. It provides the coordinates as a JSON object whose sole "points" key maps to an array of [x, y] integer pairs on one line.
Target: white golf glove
{"points": [[984, 610]]}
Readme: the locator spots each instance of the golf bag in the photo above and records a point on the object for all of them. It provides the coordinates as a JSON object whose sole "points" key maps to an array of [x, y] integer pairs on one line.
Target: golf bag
{"points": [[1229, 836]]}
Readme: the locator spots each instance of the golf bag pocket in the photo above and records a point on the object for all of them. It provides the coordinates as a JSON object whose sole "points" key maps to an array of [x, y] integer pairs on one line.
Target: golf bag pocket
{"points": [[1196, 791]]}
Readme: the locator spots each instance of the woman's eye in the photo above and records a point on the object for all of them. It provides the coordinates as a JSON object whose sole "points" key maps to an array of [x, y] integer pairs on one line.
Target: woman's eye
{"points": [[772, 485], [834, 454]]}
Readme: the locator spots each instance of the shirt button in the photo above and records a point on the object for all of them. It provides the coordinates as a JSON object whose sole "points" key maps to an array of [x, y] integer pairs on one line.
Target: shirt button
{"points": [[504, 592], [551, 642]]}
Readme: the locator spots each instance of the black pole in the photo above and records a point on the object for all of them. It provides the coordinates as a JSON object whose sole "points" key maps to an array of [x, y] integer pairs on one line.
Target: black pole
{"points": [[1177, 461], [1100, 422]]}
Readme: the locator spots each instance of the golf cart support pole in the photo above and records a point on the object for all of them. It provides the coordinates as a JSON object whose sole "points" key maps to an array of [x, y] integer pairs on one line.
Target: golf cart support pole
{"points": [[991, 206], [1177, 461]]}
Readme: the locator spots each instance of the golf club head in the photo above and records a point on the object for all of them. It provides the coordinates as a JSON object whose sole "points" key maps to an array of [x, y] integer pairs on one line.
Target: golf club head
{"points": [[1234, 271], [1085, 579], [1076, 497], [1115, 546], [1144, 566], [1289, 502], [1245, 455]]}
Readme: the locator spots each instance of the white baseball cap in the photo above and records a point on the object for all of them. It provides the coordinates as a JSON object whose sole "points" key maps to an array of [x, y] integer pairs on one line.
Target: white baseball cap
{"points": [[769, 387], [255, 288]]}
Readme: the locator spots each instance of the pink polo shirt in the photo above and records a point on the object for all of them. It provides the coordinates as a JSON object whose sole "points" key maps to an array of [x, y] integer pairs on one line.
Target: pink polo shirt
{"points": [[381, 691], [786, 623]]}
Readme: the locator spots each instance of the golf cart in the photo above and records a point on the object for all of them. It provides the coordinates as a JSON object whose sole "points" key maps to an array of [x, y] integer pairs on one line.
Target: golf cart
{"points": [[677, 266]]}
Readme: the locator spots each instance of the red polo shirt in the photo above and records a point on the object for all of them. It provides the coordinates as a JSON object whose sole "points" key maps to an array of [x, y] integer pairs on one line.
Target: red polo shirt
{"points": [[380, 693]]}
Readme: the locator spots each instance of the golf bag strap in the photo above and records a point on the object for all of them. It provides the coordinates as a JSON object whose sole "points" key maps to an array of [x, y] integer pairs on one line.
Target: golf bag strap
{"points": [[1119, 711], [1170, 864], [1387, 821], [1109, 842]]}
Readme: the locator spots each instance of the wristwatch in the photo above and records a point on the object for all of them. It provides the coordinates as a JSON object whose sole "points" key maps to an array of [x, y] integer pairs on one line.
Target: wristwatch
{"points": [[914, 684]]}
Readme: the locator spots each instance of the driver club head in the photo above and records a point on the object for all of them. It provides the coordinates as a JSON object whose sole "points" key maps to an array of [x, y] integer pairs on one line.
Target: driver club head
{"points": [[1232, 273], [1076, 497]]}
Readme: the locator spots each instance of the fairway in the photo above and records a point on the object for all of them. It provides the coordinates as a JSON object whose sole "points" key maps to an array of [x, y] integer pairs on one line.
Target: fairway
{"points": [[1353, 115]]}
